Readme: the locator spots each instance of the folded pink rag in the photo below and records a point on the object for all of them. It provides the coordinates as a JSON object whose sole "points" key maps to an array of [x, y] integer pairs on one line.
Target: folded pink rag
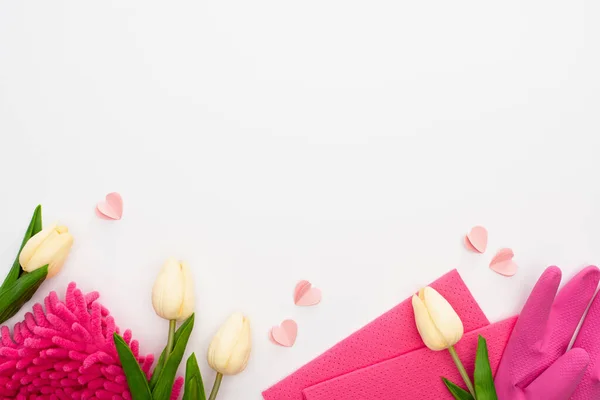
{"points": [[415, 375], [391, 335]]}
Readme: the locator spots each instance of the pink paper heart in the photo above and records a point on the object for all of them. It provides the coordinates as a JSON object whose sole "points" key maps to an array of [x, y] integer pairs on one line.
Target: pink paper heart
{"points": [[502, 255], [271, 337], [305, 295], [285, 334], [469, 246], [477, 239], [111, 207], [508, 268], [503, 263]]}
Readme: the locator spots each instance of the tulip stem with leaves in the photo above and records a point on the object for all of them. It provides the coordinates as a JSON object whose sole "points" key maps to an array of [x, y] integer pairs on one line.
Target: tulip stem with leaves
{"points": [[173, 300], [440, 328], [160, 385], [461, 370], [483, 378]]}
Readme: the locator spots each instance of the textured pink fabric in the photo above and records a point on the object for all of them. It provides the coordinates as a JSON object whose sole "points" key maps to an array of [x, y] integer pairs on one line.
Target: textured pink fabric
{"points": [[392, 334], [536, 364], [66, 352], [416, 375]]}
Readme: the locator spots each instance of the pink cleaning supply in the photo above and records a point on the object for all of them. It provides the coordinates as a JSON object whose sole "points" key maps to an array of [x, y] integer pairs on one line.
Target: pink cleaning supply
{"points": [[588, 339], [416, 375], [536, 363], [66, 352], [390, 335]]}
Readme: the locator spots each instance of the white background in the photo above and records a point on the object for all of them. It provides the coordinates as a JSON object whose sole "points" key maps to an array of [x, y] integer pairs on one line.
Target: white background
{"points": [[351, 143]]}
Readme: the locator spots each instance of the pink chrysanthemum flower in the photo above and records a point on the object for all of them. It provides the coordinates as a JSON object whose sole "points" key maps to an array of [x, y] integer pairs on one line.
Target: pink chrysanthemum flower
{"points": [[67, 353]]}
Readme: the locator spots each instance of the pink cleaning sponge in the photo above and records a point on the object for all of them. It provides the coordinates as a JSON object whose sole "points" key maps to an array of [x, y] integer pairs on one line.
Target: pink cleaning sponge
{"points": [[67, 352]]}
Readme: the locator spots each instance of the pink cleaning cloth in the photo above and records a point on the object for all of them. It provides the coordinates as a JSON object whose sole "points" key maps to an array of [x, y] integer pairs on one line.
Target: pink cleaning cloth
{"points": [[416, 375], [391, 335]]}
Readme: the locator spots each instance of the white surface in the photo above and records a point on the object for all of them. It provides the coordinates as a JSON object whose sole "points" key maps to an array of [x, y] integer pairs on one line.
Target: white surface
{"points": [[267, 141]]}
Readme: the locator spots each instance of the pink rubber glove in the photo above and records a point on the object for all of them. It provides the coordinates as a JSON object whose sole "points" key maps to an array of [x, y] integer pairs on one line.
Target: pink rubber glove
{"points": [[588, 339], [535, 364]]}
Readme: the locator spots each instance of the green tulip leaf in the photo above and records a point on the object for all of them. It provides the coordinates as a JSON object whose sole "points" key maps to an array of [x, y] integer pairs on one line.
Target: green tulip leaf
{"points": [[194, 387], [484, 380], [458, 392], [15, 295], [166, 376], [136, 379], [161, 360], [35, 225], [192, 391]]}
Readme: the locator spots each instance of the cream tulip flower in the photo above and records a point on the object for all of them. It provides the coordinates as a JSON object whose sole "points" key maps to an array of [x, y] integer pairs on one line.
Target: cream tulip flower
{"points": [[440, 327], [50, 246], [173, 291], [230, 349], [437, 322]]}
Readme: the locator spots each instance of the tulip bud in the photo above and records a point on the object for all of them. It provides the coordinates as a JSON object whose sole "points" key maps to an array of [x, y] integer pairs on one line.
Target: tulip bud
{"points": [[173, 291], [50, 246], [437, 322], [229, 350]]}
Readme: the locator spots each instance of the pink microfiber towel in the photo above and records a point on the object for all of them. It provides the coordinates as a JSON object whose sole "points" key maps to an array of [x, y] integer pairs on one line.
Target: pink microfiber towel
{"points": [[391, 335], [67, 352], [416, 375]]}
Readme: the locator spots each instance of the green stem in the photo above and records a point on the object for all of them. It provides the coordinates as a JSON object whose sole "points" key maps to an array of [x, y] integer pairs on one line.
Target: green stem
{"points": [[171, 341], [463, 372], [216, 386]]}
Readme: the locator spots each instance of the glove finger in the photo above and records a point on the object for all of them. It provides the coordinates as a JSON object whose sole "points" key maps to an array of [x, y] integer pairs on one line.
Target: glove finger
{"points": [[532, 323], [560, 380], [568, 308], [587, 339], [523, 361]]}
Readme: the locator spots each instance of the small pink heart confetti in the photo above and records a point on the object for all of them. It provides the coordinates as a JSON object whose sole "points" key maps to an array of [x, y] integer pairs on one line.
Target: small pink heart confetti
{"points": [[469, 246], [111, 207], [503, 263], [271, 337], [284, 334], [477, 239], [305, 295]]}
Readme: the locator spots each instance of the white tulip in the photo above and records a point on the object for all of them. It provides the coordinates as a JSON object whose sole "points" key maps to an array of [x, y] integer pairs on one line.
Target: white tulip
{"points": [[438, 324], [50, 246], [173, 291], [230, 349]]}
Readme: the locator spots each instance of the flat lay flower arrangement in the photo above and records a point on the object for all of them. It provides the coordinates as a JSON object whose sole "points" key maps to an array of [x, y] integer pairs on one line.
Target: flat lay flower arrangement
{"points": [[550, 351], [539, 361], [73, 348]]}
